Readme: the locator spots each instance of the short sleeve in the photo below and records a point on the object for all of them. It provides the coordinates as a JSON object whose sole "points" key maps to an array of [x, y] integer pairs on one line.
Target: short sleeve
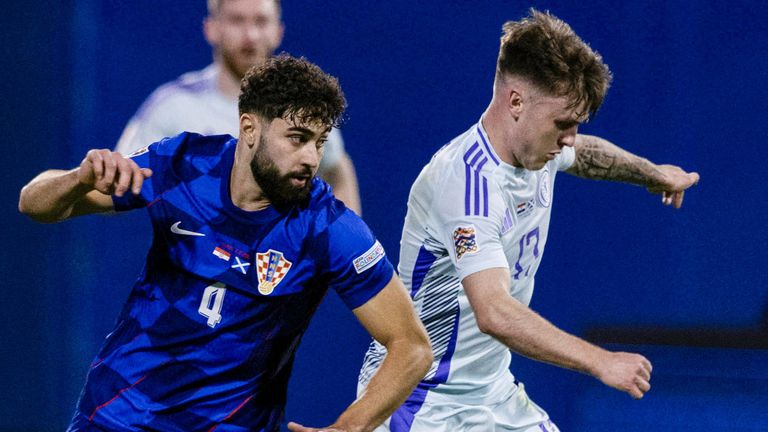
{"points": [[473, 241], [359, 268], [156, 157]]}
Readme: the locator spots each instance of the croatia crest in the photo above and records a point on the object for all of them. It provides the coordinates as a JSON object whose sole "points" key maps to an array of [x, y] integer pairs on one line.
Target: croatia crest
{"points": [[271, 268], [464, 241]]}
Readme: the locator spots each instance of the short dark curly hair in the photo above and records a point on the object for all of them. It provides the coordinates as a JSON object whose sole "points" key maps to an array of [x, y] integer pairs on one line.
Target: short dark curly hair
{"points": [[544, 50], [294, 89]]}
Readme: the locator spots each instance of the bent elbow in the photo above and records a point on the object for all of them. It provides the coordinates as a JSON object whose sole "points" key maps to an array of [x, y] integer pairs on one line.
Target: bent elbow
{"points": [[423, 357], [27, 208], [487, 324]]}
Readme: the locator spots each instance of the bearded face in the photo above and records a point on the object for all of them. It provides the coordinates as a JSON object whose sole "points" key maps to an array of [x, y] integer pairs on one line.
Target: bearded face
{"points": [[282, 189]]}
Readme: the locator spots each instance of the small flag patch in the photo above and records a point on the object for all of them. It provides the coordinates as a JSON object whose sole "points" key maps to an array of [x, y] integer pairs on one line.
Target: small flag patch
{"points": [[221, 253]]}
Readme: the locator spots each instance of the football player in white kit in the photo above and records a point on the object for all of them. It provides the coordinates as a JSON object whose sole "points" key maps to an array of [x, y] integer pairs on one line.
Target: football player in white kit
{"points": [[476, 227], [242, 33]]}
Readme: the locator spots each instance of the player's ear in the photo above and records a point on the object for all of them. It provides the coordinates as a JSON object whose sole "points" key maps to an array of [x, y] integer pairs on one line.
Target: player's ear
{"points": [[515, 103], [250, 129], [211, 30]]}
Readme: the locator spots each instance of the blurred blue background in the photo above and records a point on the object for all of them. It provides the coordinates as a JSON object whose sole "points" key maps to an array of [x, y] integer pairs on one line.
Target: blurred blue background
{"points": [[690, 88]]}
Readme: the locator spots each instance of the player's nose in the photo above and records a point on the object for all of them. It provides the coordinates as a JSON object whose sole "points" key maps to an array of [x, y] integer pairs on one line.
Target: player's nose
{"points": [[568, 137]]}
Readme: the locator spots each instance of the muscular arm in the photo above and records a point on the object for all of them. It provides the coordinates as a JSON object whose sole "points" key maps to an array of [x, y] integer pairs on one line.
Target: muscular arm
{"points": [[600, 159], [526, 332], [390, 319], [56, 195]]}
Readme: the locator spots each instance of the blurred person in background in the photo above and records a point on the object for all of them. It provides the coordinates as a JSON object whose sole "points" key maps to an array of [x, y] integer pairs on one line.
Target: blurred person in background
{"points": [[242, 33]]}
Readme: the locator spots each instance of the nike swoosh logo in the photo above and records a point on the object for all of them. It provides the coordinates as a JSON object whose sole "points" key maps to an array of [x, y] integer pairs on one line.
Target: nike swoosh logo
{"points": [[176, 230]]}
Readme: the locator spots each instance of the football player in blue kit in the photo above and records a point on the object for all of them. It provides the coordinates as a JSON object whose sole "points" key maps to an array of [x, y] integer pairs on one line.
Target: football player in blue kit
{"points": [[246, 243]]}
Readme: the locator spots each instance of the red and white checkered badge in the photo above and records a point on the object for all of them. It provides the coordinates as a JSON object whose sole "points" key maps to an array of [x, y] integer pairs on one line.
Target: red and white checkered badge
{"points": [[271, 268]]}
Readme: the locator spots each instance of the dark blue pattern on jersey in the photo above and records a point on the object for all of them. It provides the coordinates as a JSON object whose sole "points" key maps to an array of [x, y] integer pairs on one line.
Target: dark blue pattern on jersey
{"points": [[198, 345]]}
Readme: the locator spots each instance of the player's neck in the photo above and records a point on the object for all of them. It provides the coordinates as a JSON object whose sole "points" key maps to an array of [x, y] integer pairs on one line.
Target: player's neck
{"points": [[244, 192], [228, 81], [495, 122]]}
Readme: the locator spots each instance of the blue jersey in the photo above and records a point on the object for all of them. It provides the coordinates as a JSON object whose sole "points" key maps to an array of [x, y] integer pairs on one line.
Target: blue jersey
{"points": [[207, 338]]}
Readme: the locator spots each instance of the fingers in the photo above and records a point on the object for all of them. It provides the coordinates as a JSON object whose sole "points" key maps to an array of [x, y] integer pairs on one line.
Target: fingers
{"points": [[647, 367], [675, 199], [295, 427], [126, 175], [694, 177], [110, 173], [641, 381], [630, 373]]}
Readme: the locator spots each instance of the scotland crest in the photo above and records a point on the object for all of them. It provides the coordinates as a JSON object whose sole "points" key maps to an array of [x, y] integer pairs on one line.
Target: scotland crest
{"points": [[544, 193], [271, 268]]}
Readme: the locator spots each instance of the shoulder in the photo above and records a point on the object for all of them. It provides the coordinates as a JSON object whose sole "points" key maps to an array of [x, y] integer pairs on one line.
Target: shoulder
{"points": [[461, 178], [179, 92], [329, 216], [189, 155]]}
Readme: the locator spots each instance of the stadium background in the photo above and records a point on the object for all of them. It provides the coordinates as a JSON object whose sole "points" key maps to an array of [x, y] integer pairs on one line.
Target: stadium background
{"points": [[690, 88]]}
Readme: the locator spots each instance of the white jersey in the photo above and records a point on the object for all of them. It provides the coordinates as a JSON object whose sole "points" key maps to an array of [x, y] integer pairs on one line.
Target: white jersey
{"points": [[194, 103], [469, 211]]}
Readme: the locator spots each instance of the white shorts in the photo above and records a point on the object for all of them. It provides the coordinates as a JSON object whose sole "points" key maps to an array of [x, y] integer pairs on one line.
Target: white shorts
{"points": [[439, 413]]}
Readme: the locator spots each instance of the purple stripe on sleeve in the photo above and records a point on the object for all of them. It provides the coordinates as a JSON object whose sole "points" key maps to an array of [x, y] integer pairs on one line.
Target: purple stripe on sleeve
{"points": [[485, 197], [477, 193], [467, 189]]}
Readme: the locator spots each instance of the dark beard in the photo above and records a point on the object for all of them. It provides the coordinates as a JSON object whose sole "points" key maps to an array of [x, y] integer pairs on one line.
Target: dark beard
{"points": [[278, 189]]}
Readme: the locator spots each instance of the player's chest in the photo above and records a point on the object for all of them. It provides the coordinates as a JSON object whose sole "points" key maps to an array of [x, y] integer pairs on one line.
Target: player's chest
{"points": [[525, 221], [269, 259]]}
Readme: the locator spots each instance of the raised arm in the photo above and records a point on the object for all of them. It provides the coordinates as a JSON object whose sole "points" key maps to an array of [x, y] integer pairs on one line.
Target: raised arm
{"points": [[597, 158], [389, 317], [526, 332], [56, 195]]}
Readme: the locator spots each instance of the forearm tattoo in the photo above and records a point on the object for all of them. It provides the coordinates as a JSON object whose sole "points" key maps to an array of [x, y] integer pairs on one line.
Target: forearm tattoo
{"points": [[599, 159]]}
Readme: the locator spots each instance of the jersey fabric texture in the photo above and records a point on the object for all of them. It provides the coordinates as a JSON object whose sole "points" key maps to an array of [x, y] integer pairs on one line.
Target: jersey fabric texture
{"points": [[207, 337], [194, 103], [468, 211]]}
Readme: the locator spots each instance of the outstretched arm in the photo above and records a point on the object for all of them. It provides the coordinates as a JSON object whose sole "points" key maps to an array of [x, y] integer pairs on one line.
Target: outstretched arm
{"points": [[389, 317], [56, 195], [597, 158], [526, 332]]}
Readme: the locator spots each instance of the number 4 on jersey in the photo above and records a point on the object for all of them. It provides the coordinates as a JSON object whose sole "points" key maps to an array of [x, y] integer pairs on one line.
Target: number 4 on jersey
{"points": [[213, 300]]}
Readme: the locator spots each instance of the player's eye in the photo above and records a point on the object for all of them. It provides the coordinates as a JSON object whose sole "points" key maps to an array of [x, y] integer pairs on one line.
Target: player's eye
{"points": [[297, 138]]}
